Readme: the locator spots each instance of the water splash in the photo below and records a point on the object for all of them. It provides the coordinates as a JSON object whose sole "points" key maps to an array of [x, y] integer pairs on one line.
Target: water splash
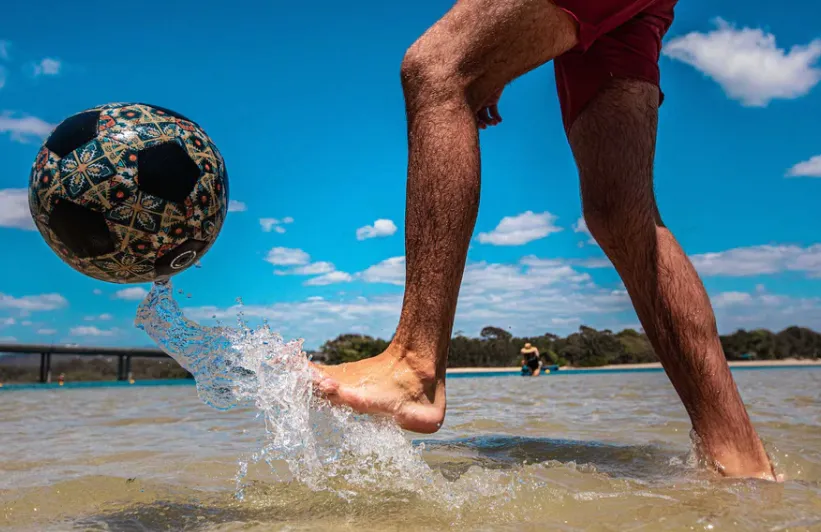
{"points": [[324, 447]]}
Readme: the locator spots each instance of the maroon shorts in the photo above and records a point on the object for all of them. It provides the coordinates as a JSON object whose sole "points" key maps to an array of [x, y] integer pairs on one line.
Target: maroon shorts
{"points": [[617, 39]]}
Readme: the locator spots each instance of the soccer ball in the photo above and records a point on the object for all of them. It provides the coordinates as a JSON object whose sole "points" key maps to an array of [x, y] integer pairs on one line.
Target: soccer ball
{"points": [[129, 192]]}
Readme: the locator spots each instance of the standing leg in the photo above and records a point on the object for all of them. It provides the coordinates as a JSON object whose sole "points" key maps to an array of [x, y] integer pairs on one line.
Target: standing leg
{"points": [[613, 142], [447, 75]]}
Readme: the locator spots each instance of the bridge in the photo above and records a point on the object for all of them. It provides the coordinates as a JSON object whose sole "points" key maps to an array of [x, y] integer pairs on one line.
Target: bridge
{"points": [[123, 354]]}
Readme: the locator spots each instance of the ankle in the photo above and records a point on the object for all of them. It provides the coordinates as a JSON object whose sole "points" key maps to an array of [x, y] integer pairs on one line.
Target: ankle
{"points": [[422, 364], [731, 460]]}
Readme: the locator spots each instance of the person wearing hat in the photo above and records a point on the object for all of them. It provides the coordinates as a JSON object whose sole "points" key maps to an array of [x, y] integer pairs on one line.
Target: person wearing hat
{"points": [[531, 361]]}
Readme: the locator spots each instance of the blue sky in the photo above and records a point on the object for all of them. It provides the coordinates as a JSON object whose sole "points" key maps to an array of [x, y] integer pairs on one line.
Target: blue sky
{"points": [[305, 104]]}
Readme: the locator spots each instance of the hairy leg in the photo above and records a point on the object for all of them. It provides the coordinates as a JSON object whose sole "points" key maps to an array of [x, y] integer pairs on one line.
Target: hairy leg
{"points": [[613, 142], [447, 76]]}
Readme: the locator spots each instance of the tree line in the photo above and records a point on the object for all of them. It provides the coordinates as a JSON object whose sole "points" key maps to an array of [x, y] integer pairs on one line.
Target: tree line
{"points": [[495, 347], [587, 347]]}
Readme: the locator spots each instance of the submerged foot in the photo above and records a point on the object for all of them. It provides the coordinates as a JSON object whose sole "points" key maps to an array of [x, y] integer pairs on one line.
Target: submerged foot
{"points": [[389, 384]]}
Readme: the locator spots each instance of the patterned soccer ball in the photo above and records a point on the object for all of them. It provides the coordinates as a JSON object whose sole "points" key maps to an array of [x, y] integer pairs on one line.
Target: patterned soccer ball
{"points": [[129, 192]]}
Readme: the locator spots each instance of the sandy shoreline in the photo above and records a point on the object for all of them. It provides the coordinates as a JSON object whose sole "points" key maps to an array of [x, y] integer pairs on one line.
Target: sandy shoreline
{"points": [[734, 364]]}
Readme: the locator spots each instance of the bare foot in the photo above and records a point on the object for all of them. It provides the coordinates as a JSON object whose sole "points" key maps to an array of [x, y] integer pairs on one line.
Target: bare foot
{"points": [[391, 384]]}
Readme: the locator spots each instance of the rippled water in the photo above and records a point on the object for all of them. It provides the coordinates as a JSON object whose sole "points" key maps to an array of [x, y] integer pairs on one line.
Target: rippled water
{"points": [[574, 452], [598, 452]]}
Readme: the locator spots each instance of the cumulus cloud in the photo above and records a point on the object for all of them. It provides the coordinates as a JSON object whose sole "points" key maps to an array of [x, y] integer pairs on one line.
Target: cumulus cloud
{"points": [[275, 224], [748, 64], [760, 260], [14, 209], [4, 49], [47, 67], [24, 128], [90, 330], [808, 168], [329, 278], [7, 322], [380, 228], [389, 271], [581, 227], [37, 303], [236, 206], [521, 229], [46, 332], [280, 256], [2, 76], [527, 296], [101, 317], [135, 293], [300, 262], [8, 339]]}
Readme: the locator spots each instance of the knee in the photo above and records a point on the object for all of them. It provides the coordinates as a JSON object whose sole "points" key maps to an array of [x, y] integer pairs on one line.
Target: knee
{"points": [[430, 73], [618, 223]]}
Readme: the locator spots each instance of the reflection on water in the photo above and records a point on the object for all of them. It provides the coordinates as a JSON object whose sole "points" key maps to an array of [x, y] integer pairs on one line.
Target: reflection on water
{"points": [[578, 452]]}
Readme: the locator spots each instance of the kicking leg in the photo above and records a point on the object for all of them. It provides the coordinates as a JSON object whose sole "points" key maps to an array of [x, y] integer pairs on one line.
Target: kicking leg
{"points": [[448, 76], [613, 142]]}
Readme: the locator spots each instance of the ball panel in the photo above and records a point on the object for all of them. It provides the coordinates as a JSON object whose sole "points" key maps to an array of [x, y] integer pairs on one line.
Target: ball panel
{"points": [[81, 230], [73, 132], [88, 167], [166, 171], [44, 183], [125, 267], [162, 112], [180, 257]]}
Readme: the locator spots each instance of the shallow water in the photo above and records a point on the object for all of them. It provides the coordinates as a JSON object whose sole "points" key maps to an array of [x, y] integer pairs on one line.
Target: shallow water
{"points": [[598, 452]]}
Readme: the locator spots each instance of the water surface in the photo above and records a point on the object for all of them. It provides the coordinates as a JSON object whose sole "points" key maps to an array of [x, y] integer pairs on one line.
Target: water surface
{"points": [[576, 452]]}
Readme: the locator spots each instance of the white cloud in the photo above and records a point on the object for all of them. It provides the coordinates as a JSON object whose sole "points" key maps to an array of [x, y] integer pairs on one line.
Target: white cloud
{"points": [[26, 323], [581, 227], [275, 224], [808, 168], [728, 299], [89, 330], [135, 293], [48, 67], [97, 292], [46, 332], [236, 206], [390, 271], [380, 228], [760, 260], [748, 64], [280, 256], [314, 268], [520, 229], [4, 49], [14, 209], [33, 303], [2, 76], [329, 278], [8, 339], [7, 322], [24, 128], [101, 317]]}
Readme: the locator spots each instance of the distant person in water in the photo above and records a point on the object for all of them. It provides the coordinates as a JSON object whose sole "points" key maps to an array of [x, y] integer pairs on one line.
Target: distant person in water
{"points": [[531, 361], [605, 56]]}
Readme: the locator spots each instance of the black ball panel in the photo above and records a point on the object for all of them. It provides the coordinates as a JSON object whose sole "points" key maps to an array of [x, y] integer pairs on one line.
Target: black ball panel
{"points": [[73, 132], [180, 257], [167, 171], [83, 231]]}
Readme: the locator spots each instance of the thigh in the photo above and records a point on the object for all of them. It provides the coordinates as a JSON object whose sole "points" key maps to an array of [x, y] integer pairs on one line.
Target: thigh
{"points": [[614, 143], [617, 39], [488, 43]]}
